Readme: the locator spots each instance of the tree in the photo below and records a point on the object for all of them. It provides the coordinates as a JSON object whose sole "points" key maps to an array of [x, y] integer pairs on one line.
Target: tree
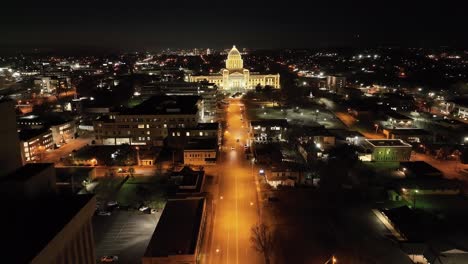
{"points": [[262, 240], [258, 88]]}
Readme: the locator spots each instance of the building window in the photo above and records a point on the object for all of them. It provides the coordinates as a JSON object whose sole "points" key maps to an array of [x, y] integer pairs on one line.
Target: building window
{"points": [[141, 126]]}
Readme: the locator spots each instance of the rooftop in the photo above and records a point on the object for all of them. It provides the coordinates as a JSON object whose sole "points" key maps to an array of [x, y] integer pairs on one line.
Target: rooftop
{"points": [[387, 143], [208, 126], [29, 229], [270, 122], [398, 116], [26, 171], [165, 105], [420, 168], [202, 144], [190, 178], [27, 134], [178, 228]]}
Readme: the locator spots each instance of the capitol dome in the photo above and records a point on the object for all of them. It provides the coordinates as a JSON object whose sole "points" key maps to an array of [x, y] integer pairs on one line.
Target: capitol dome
{"points": [[233, 52], [234, 60]]}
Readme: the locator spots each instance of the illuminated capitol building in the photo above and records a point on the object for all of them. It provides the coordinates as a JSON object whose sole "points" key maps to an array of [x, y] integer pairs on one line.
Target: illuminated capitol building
{"points": [[235, 77]]}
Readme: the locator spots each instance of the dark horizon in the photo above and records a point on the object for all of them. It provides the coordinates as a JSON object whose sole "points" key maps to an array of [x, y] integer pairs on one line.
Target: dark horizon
{"points": [[142, 26]]}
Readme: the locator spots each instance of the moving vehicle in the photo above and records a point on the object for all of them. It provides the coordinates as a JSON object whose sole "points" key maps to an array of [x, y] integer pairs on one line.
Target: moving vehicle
{"points": [[104, 213], [107, 259], [232, 148]]}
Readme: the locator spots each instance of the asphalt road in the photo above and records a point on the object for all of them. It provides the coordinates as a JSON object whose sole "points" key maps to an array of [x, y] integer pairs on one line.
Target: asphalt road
{"points": [[125, 234], [53, 156], [236, 207]]}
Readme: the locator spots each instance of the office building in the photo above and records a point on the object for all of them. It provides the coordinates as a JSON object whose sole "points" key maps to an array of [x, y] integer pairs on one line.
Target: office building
{"points": [[335, 82], [34, 143], [10, 155], [148, 123]]}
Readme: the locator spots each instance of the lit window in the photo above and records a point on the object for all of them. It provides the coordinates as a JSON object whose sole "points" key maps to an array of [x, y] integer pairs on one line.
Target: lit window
{"points": [[165, 125], [141, 126], [187, 134]]}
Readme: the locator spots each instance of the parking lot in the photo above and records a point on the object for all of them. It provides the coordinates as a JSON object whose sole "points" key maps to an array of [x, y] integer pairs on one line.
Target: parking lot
{"points": [[124, 234]]}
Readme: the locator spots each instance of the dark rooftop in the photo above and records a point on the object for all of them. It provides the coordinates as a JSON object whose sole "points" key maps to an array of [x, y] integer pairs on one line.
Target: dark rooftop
{"points": [[410, 131], [202, 144], [208, 126], [420, 168], [192, 180], [178, 228], [165, 105], [416, 226], [269, 122], [26, 171], [387, 143], [398, 116], [27, 134], [29, 227]]}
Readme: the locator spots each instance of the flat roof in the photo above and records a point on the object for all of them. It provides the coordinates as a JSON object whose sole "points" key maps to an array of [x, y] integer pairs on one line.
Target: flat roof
{"points": [[410, 131], [387, 143], [178, 228], [398, 116], [190, 177], [420, 168], [208, 126], [27, 134], [202, 144], [344, 133], [30, 225], [26, 171], [165, 105], [413, 224], [271, 122]]}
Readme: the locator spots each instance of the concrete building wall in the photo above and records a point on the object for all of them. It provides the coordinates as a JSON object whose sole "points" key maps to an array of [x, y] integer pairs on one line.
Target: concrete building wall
{"points": [[74, 243], [10, 155], [199, 157]]}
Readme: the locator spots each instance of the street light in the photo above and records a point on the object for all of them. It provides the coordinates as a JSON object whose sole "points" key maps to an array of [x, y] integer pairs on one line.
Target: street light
{"points": [[331, 260]]}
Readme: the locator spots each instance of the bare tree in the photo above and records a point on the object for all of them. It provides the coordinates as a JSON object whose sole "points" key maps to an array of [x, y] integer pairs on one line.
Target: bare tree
{"points": [[262, 240]]}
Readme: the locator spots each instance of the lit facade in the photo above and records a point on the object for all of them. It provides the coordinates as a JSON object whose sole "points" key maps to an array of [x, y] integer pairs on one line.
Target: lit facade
{"points": [[235, 78], [148, 123]]}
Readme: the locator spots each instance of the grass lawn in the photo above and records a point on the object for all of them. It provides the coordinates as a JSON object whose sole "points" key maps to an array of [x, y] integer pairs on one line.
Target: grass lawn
{"points": [[143, 190]]}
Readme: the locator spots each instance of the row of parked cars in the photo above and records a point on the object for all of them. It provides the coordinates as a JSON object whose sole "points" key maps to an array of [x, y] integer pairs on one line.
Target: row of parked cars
{"points": [[110, 206]]}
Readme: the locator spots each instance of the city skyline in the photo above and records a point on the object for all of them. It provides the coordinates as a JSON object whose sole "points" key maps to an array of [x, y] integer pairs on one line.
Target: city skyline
{"points": [[154, 26]]}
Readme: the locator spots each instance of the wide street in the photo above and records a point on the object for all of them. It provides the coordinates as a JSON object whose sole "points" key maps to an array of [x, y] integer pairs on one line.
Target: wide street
{"points": [[236, 205]]}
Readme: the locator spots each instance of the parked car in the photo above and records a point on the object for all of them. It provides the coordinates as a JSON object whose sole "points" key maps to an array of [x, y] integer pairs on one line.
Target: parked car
{"points": [[153, 211], [232, 148], [104, 213], [112, 203], [107, 259], [143, 208]]}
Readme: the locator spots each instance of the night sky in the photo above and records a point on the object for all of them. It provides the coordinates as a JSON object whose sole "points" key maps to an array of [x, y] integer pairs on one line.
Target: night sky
{"points": [[152, 25]]}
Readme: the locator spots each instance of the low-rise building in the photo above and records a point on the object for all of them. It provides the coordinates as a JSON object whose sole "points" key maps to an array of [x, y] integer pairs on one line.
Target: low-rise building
{"points": [[178, 137], [188, 180], [396, 120], [386, 150], [178, 235], [63, 128], [34, 142], [200, 152], [268, 130]]}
